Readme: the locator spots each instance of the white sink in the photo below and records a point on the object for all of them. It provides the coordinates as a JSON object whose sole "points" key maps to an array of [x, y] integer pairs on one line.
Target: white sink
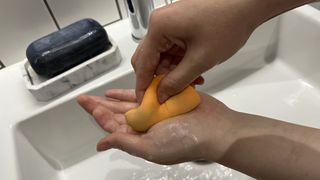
{"points": [[276, 75]]}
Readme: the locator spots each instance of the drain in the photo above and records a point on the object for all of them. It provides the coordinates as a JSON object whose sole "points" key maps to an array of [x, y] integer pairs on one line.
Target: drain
{"points": [[2, 65], [202, 162]]}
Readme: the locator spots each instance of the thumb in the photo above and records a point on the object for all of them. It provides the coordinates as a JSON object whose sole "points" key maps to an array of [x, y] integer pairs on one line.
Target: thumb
{"points": [[132, 144], [188, 70]]}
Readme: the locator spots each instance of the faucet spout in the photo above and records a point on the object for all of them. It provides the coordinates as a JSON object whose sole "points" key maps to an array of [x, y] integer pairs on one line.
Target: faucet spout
{"points": [[139, 12]]}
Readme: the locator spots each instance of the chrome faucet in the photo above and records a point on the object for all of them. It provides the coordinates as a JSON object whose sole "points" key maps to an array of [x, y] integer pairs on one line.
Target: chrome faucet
{"points": [[139, 12]]}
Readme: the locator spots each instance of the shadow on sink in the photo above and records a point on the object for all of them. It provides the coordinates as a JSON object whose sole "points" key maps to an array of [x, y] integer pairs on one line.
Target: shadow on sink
{"points": [[316, 5], [144, 170], [63, 136]]}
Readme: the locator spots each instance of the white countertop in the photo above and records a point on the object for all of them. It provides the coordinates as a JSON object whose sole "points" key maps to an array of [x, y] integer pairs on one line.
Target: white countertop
{"points": [[17, 103]]}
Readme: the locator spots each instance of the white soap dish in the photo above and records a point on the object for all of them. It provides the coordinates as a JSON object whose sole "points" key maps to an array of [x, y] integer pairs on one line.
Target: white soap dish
{"points": [[44, 89]]}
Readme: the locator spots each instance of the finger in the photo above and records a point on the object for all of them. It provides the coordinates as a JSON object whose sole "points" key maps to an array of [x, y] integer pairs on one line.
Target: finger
{"points": [[147, 57], [129, 143], [89, 103], [120, 118], [118, 106], [125, 128], [179, 78], [176, 51], [105, 119], [145, 64], [135, 54], [164, 65], [122, 94]]}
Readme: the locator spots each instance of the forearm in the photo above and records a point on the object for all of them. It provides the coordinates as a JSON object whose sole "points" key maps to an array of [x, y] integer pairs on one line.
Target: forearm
{"points": [[265, 148], [269, 149]]}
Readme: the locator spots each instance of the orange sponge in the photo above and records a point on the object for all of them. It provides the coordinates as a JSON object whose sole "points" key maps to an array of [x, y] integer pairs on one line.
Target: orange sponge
{"points": [[151, 112]]}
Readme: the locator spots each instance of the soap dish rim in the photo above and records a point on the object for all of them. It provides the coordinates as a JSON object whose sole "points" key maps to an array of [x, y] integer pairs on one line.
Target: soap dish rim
{"points": [[36, 88], [26, 63]]}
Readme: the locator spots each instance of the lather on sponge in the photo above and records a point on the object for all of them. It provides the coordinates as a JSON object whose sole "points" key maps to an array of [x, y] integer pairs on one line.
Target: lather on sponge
{"points": [[151, 112]]}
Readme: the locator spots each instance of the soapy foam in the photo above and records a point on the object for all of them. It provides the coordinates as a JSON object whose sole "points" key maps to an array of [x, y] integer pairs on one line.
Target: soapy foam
{"points": [[190, 171]]}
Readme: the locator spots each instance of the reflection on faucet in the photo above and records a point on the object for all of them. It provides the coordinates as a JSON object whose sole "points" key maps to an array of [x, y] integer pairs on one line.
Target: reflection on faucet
{"points": [[139, 12]]}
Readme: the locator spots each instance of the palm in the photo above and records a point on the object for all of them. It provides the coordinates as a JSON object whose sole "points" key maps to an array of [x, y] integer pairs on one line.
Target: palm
{"points": [[164, 142], [109, 111]]}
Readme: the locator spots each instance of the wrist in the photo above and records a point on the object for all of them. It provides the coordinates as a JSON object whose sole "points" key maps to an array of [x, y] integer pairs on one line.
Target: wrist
{"points": [[257, 145], [226, 131]]}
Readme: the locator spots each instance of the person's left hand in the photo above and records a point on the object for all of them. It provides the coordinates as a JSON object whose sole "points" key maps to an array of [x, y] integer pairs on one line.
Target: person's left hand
{"points": [[198, 134]]}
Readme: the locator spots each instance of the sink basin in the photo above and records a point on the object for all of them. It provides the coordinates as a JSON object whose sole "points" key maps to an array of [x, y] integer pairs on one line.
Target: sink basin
{"points": [[276, 75]]}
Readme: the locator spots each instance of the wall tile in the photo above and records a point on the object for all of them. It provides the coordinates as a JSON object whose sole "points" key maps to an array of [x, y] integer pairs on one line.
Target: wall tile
{"points": [[21, 23], [69, 11]]}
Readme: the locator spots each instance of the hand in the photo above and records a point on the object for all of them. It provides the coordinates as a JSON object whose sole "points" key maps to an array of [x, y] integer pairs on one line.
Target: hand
{"points": [[251, 144], [187, 38], [179, 139]]}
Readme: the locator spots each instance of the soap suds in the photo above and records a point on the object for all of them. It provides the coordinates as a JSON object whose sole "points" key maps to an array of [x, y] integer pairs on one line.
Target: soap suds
{"points": [[179, 133], [189, 171]]}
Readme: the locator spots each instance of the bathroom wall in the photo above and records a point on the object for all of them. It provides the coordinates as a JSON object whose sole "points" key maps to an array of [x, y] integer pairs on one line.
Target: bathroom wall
{"points": [[21, 22], [25, 21]]}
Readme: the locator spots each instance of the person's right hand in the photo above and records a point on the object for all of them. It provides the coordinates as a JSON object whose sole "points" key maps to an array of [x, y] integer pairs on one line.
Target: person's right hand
{"points": [[187, 38]]}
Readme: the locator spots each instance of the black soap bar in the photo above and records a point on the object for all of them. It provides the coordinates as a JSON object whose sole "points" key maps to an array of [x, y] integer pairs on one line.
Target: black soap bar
{"points": [[61, 50]]}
